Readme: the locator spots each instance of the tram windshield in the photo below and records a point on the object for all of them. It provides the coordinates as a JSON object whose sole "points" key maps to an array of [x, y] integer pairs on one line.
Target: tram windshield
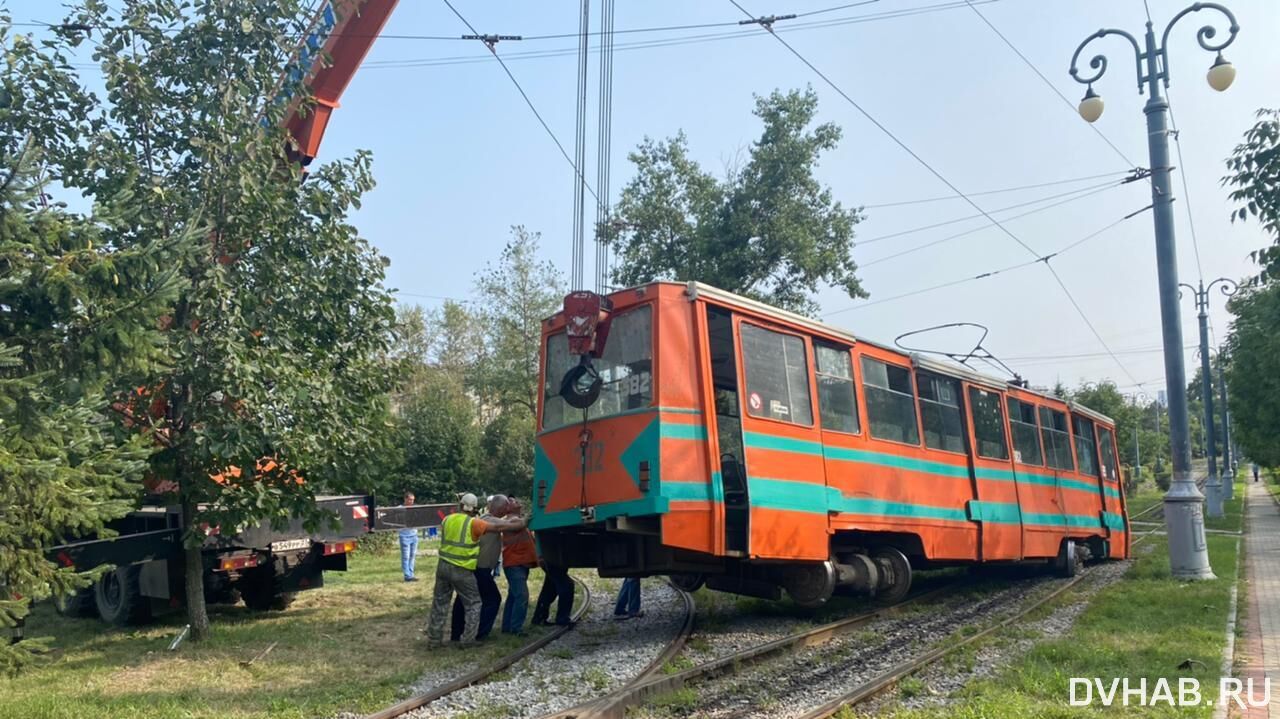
{"points": [[626, 371]]}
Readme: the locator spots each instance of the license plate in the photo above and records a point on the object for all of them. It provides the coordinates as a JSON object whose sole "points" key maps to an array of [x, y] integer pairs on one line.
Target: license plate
{"points": [[291, 545]]}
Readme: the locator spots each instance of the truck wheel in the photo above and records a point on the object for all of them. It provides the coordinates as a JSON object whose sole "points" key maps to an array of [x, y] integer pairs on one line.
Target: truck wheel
{"points": [[79, 604], [119, 598], [261, 596]]}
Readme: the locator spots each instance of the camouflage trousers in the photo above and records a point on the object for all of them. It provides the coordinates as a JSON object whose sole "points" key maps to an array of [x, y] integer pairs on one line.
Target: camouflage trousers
{"points": [[451, 578]]}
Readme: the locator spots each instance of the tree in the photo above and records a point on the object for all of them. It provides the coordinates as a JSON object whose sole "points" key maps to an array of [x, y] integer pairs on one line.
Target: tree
{"points": [[441, 439], [1254, 173], [1253, 370], [72, 335], [768, 230], [1253, 374], [277, 376], [515, 296]]}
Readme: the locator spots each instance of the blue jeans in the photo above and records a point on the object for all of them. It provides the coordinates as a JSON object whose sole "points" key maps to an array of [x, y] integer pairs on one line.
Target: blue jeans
{"points": [[628, 598], [517, 606], [408, 552]]}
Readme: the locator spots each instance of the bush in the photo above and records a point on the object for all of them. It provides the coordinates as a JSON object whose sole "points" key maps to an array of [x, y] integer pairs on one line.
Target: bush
{"points": [[379, 543], [1163, 479]]}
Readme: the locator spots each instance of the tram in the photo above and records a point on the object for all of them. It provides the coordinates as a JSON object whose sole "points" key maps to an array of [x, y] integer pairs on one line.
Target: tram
{"points": [[688, 431]]}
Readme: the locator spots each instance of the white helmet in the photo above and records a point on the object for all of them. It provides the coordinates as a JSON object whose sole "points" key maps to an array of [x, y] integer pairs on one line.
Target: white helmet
{"points": [[468, 502]]}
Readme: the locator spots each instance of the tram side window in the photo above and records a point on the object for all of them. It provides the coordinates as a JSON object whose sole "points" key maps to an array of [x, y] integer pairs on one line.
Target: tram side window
{"points": [[777, 375], [837, 402], [1085, 448], [1108, 452], [1057, 442], [988, 424], [1026, 434], [891, 405], [940, 412]]}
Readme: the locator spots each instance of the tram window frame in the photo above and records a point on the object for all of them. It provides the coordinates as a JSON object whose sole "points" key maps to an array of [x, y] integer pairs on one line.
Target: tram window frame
{"points": [[834, 381], [635, 389], [767, 411], [1107, 453], [937, 406], [1047, 425], [869, 366], [1019, 452], [1078, 425], [986, 400]]}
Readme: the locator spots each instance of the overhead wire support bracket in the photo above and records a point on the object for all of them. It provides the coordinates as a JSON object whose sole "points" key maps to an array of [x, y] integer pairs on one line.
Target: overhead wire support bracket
{"points": [[491, 40], [767, 21], [1138, 174]]}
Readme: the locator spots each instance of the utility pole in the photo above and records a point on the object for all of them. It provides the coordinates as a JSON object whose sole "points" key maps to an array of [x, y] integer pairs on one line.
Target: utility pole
{"points": [[1184, 513], [1213, 485], [1228, 461]]}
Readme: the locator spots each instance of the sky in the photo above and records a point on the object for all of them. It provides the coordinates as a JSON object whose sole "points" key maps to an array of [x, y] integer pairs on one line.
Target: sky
{"points": [[460, 158]]}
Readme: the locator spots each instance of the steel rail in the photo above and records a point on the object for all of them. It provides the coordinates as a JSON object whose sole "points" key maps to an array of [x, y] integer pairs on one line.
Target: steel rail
{"points": [[611, 704], [890, 677], [614, 704], [480, 674]]}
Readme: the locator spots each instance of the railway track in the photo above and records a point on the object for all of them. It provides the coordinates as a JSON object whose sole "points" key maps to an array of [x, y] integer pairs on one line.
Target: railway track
{"points": [[889, 678], [651, 683], [612, 704], [480, 674]]}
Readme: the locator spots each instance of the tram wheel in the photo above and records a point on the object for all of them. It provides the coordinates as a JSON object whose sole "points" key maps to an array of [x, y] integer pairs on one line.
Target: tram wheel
{"points": [[1067, 563], [690, 582], [896, 569], [810, 585]]}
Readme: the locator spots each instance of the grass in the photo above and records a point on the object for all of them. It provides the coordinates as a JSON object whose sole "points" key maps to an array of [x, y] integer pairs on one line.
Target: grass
{"points": [[353, 645], [1141, 627]]}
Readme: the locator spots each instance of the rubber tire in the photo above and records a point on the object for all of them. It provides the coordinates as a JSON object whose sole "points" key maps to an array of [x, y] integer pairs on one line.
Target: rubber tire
{"points": [[261, 596], [901, 567], [1067, 563], [689, 583], [78, 605], [119, 599]]}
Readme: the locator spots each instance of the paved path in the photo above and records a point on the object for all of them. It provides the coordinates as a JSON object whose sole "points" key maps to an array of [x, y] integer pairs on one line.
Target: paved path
{"points": [[1262, 548]]}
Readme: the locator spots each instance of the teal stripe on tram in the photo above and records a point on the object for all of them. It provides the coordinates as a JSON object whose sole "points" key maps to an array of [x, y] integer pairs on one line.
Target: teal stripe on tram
{"points": [[673, 430]]}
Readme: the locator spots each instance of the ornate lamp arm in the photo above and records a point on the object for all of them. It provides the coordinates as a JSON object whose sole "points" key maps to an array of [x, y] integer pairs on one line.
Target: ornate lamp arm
{"points": [[1099, 62], [1203, 36], [1227, 286]]}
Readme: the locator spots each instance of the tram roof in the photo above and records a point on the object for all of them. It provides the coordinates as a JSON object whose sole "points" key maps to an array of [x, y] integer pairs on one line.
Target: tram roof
{"points": [[698, 289]]}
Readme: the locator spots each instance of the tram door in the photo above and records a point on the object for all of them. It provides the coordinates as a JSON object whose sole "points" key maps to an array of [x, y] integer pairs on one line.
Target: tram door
{"points": [[733, 474], [993, 467]]}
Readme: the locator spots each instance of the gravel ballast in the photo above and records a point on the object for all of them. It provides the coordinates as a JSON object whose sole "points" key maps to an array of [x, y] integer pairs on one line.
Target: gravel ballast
{"points": [[598, 655]]}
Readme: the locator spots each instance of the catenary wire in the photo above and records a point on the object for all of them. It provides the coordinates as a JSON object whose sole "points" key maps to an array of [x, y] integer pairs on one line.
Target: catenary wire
{"points": [[942, 179], [529, 102], [980, 228], [956, 220], [1051, 86], [985, 275], [1002, 190]]}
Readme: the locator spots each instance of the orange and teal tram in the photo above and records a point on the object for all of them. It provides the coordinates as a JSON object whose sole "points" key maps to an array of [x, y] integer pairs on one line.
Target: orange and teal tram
{"points": [[692, 432]]}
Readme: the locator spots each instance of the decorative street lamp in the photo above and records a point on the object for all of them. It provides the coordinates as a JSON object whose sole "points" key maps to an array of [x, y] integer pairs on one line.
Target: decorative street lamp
{"points": [[1213, 485], [1228, 458], [1184, 514]]}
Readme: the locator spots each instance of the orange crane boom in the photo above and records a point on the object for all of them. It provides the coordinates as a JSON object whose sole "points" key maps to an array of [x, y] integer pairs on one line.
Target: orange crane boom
{"points": [[336, 43]]}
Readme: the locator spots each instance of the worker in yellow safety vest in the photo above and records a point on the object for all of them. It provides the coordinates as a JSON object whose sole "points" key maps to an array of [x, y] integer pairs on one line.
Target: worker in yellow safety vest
{"points": [[455, 572]]}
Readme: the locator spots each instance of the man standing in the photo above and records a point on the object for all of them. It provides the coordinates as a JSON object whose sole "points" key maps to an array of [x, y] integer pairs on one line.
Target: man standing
{"points": [[456, 571], [519, 557], [557, 587], [486, 563], [408, 545], [1255, 470], [628, 604]]}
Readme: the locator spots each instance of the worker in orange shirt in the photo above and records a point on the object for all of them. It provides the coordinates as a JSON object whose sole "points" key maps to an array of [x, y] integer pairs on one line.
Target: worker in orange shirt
{"points": [[519, 557], [459, 555]]}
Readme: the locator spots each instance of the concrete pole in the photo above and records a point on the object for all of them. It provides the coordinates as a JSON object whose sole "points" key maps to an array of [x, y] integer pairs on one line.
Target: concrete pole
{"points": [[1183, 503], [1213, 485], [1228, 462]]}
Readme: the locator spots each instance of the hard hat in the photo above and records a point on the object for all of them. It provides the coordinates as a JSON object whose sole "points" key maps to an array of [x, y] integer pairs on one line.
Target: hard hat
{"points": [[468, 502]]}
